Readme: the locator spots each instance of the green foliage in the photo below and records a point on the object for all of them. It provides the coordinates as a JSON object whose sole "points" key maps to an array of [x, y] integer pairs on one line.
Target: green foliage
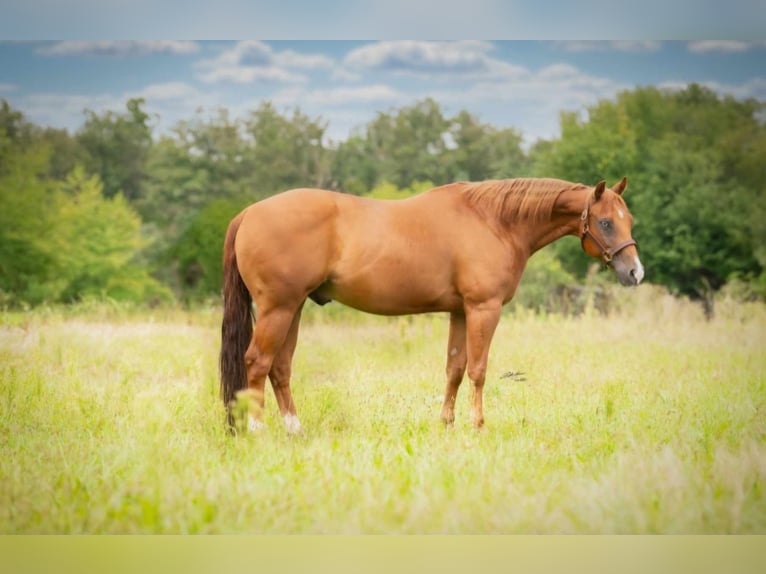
{"points": [[285, 152], [543, 283], [389, 191], [97, 240], [409, 144], [116, 148], [418, 143], [483, 152], [28, 264], [354, 168], [62, 241], [200, 247], [745, 288], [695, 183], [640, 423], [694, 161], [15, 131]]}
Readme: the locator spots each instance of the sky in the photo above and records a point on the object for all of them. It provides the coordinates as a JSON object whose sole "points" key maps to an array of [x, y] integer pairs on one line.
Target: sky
{"points": [[519, 84]]}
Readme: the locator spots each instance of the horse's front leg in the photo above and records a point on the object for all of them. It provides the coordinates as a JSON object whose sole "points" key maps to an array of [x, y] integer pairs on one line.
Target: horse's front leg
{"points": [[455, 365], [481, 321]]}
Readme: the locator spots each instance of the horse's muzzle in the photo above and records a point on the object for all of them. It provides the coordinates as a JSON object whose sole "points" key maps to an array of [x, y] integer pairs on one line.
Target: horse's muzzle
{"points": [[629, 270]]}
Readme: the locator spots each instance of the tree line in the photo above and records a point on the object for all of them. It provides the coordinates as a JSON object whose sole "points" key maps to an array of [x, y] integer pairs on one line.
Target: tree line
{"points": [[116, 210]]}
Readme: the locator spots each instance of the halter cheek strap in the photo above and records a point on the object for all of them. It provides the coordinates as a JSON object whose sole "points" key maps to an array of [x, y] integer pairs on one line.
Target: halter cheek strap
{"points": [[607, 253]]}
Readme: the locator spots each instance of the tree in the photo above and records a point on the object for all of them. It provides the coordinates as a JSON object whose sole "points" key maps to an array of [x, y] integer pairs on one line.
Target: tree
{"points": [[201, 160], [65, 151], [387, 190], [116, 148], [62, 241], [691, 228], [199, 248], [28, 264], [19, 135], [691, 158], [484, 152], [95, 238], [409, 145], [14, 129], [417, 143], [285, 152], [354, 169]]}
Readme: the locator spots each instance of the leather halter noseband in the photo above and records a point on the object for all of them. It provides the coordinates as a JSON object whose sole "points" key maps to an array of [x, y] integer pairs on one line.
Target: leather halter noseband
{"points": [[607, 253]]}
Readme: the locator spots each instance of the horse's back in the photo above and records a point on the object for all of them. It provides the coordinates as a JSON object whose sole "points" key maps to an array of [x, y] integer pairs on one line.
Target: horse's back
{"points": [[329, 222], [387, 257]]}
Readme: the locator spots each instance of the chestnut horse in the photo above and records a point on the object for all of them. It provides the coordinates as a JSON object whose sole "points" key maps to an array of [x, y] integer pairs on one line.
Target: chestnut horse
{"points": [[459, 248]]}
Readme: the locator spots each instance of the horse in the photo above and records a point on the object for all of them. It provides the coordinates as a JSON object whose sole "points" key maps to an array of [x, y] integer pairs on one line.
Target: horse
{"points": [[460, 248]]}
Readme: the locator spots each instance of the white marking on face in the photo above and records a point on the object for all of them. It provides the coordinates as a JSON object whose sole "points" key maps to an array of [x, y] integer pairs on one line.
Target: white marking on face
{"points": [[453, 352], [254, 425], [639, 270], [621, 213], [292, 423]]}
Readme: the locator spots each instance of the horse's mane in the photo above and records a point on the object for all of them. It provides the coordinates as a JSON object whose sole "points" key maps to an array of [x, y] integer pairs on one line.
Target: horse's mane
{"points": [[526, 198]]}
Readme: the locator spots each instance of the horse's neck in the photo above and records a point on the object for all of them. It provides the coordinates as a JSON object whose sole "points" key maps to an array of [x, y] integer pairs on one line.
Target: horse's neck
{"points": [[565, 219]]}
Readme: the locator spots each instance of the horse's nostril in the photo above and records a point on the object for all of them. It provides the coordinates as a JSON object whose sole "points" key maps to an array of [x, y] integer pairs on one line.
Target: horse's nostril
{"points": [[633, 273]]}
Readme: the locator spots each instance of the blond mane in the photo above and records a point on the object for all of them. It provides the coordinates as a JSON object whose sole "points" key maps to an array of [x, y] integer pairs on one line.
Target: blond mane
{"points": [[519, 199]]}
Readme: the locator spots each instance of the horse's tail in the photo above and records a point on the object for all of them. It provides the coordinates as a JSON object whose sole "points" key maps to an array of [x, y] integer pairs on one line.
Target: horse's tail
{"points": [[237, 325]]}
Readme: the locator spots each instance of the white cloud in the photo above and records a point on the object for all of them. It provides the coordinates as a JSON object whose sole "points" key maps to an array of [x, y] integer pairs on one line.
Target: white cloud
{"points": [[344, 75], [560, 85], [601, 45], [249, 74], [377, 93], [252, 60], [464, 57], [457, 74], [411, 55], [752, 88], [168, 91], [726, 46], [118, 47], [247, 53], [172, 101], [532, 100], [292, 59], [65, 110]]}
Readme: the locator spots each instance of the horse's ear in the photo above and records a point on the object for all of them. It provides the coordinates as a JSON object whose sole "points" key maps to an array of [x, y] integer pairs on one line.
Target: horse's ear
{"points": [[620, 186], [599, 189]]}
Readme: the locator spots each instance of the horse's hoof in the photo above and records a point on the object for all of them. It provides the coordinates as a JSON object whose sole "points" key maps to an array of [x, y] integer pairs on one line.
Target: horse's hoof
{"points": [[292, 424], [254, 425]]}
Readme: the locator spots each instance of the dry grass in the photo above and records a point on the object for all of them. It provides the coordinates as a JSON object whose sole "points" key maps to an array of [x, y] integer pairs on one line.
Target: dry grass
{"points": [[649, 421]]}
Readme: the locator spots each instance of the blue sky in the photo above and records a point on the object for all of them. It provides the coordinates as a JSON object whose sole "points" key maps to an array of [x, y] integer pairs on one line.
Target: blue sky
{"points": [[520, 84]]}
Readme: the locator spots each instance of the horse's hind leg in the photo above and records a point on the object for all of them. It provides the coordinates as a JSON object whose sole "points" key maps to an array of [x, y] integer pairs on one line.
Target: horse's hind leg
{"points": [[456, 362], [271, 328], [280, 372]]}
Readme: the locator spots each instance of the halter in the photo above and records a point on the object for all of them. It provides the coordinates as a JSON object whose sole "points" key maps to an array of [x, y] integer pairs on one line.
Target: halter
{"points": [[607, 253]]}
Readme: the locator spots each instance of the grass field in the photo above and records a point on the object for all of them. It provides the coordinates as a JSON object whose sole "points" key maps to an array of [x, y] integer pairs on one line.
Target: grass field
{"points": [[651, 420]]}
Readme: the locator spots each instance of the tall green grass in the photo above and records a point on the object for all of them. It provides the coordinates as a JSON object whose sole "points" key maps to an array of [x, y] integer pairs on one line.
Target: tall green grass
{"points": [[650, 420]]}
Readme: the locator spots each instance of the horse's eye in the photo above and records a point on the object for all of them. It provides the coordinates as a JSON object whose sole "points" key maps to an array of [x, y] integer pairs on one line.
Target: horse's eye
{"points": [[605, 224]]}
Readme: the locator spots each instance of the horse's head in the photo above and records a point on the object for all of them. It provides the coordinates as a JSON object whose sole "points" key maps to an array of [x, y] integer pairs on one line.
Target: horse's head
{"points": [[605, 232]]}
